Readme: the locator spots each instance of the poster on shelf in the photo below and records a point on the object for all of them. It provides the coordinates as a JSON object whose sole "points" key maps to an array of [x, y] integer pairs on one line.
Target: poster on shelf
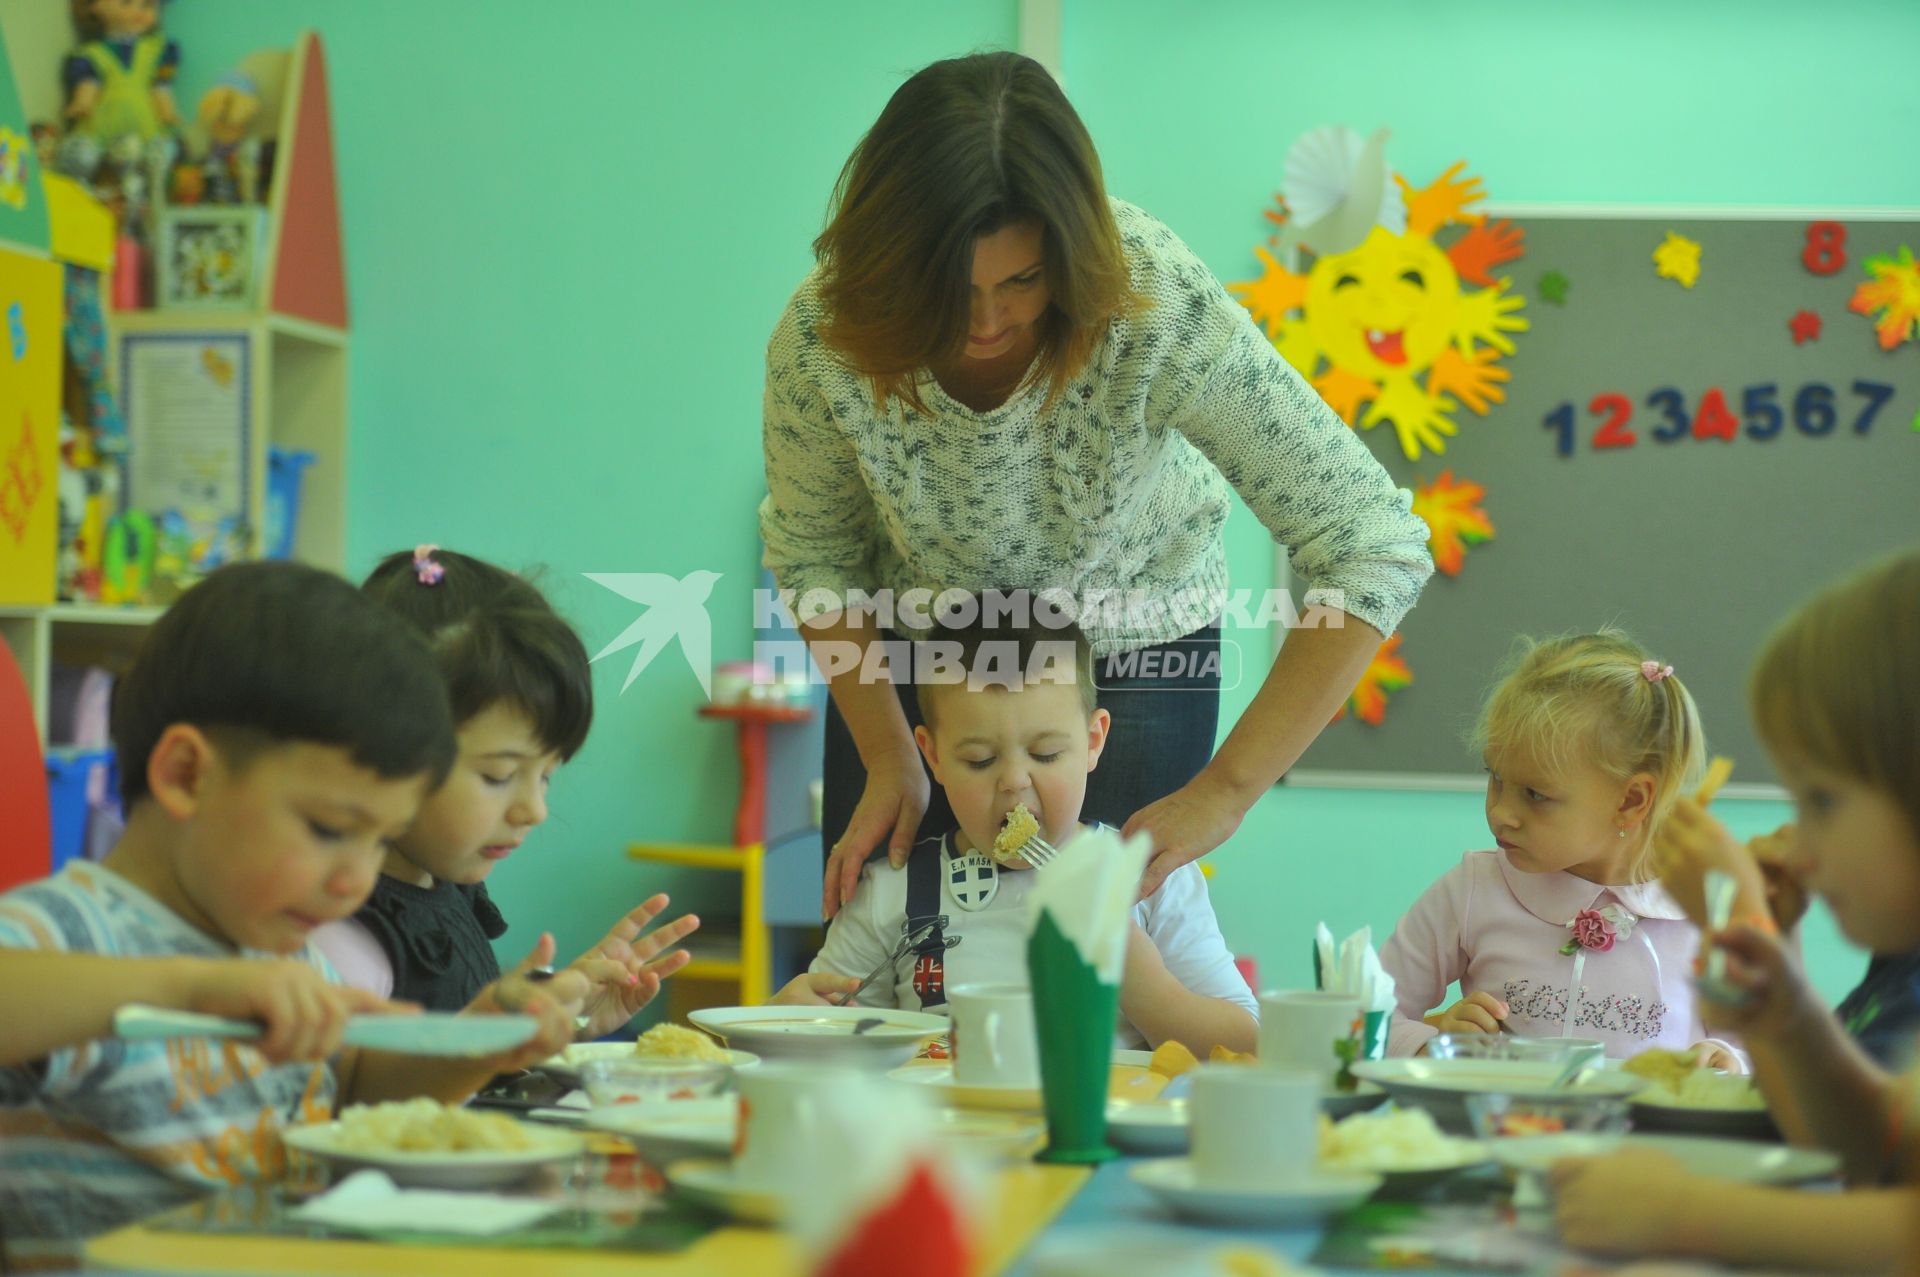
{"points": [[30, 322], [188, 404]]}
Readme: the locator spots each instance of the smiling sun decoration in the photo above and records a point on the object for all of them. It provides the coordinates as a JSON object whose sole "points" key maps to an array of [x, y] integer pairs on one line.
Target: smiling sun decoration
{"points": [[1396, 328]]}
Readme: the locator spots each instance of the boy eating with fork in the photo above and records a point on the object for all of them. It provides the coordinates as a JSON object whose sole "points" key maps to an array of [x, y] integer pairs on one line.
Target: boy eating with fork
{"points": [[1011, 730]]}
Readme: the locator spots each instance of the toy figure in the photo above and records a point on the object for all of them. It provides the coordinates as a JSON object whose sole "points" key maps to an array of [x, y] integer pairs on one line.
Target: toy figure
{"points": [[120, 79]]}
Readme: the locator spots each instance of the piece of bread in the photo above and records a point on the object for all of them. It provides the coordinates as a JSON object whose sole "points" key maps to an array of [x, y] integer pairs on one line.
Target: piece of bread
{"points": [[1668, 1068]]}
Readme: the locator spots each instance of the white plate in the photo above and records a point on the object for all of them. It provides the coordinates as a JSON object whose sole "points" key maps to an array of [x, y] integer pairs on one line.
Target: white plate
{"points": [[1471, 1154], [1307, 1202], [477, 1169], [1741, 1161], [823, 1033], [714, 1185], [566, 1065], [705, 1129], [1441, 1086]]}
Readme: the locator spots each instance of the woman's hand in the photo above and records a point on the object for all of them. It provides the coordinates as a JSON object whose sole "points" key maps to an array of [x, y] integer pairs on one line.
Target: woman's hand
{"points": [[889, 812], [1184, 826]]}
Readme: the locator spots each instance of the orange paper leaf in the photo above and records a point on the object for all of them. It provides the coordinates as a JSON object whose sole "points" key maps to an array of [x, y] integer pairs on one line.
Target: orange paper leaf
{"points": [[1386, 673], [1454, 519]]}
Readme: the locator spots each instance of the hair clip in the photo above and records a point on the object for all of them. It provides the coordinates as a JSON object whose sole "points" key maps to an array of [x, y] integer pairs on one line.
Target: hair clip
{"points": [[425, 569], [1654, 671]]}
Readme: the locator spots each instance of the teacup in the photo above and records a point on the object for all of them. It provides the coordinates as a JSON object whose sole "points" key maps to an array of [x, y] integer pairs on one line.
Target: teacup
{"points": [[789, 1114], [1303, 1028], [993, 1038], [1255, 1127]]}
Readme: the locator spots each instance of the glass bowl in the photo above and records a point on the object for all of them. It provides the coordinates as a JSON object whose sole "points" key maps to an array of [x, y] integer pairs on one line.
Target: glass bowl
{"points": [[1509, 1046], [638, 1080]]}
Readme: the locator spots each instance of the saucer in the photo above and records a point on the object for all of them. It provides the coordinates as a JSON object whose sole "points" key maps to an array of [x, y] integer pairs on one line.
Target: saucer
{"points": [[1307, 1201], [1155, 1127], [716, 1186], [970, 1095]]}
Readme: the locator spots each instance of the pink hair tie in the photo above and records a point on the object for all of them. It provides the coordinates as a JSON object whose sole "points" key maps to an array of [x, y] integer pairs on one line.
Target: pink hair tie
{"points": [[425, 569], [1654, 671]]}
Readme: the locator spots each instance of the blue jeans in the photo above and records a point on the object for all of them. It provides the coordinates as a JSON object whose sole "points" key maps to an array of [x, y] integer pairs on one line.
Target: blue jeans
{"points": [[1164, 722]]}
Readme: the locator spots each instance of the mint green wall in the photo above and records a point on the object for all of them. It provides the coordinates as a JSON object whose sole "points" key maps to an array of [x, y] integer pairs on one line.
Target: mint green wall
{"points": [[569, 229], [1193, 108]]}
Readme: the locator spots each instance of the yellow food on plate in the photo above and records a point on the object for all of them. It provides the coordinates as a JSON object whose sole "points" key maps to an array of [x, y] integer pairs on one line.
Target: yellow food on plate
{"points": [[427, 1126], [678, 1042], [1391, 1139], [1227, 1055], [1019, 827], [1662, 1067], [1171, 1059]]}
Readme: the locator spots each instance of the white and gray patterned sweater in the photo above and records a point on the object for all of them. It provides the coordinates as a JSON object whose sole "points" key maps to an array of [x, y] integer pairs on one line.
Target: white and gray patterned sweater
{"points": [[1121, 486]]}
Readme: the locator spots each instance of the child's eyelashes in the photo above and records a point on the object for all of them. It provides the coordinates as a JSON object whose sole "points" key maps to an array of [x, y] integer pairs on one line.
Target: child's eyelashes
{"points": [[978, 764], [1047, 758], [498, 782], [325, 833]]}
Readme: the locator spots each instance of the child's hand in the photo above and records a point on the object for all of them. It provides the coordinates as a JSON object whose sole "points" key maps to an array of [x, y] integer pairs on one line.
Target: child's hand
{"points": [[1711, 1055], [1690, 843], [814, 989], [626, 968], [553, 1002], [1780, 996], [1634, 1202], [1475, 1013], [304, 1014], [1786, 890]]}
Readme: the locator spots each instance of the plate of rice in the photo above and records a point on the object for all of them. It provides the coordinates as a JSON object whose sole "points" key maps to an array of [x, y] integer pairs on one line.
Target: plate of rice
{"points": [[672, 1045], [427, 1144], [1403, 1145]]}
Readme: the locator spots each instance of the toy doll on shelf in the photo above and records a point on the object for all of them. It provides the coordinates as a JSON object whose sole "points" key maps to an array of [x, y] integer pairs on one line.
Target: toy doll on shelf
{"points": [[120, 79]]}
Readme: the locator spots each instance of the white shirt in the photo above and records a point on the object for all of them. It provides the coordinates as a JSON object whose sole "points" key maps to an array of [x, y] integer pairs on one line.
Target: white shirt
{"points": [[1178, 918]]}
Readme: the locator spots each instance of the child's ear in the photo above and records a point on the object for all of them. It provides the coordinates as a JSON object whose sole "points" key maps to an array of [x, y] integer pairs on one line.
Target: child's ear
{"points": [[177, 769], [1636, 802], [924, 739], [1098, 724]]}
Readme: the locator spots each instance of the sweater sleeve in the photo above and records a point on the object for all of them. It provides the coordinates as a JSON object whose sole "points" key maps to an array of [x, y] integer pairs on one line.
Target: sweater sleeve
{"points": [[817, 519], [1424, 955], [1348, 530]]}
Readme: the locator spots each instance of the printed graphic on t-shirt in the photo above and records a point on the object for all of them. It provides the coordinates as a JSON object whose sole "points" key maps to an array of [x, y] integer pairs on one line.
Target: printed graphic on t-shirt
{"points": [[1616, 1013], [973, 880]]}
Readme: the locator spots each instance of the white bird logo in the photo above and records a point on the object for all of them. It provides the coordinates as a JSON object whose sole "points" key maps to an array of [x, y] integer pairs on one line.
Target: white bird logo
{"points": [[676, 608]]}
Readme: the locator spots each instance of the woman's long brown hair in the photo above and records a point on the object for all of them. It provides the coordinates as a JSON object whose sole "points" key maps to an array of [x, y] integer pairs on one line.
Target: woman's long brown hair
{"points": [[963, 148]]}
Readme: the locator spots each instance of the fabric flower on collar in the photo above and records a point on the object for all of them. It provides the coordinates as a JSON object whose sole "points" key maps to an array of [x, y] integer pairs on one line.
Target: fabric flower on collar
{"points": [[1598, 929]]}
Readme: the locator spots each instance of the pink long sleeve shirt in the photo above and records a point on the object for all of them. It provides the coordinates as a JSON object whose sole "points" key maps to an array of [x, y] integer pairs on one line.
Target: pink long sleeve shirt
{"points": [[1499, 930]]}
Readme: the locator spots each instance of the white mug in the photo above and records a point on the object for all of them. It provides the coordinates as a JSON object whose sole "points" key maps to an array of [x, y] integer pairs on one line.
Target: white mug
{"points": [[1254, 1127], [994, 1041], [789, 1113], [1299, 1027]]}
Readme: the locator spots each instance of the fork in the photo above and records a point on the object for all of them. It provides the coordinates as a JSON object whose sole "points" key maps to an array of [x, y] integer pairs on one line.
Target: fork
{"points": [[1037, 852], [910, 936]]}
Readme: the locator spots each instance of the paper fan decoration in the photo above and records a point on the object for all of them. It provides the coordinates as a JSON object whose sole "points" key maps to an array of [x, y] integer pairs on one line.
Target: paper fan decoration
{"points": [[1386, 673], [1894, 291], [1454, 519], [1337, 189]]}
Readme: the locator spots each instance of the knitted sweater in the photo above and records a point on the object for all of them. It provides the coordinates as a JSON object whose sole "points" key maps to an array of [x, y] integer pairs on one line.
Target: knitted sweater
{"points": [[1119, 491]]}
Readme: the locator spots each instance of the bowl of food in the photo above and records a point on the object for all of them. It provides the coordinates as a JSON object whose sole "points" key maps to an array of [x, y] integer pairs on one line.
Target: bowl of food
{"points": [[1531, 1132], [862, 1037], [1513, 1046], [1442, 1087], [1684, 1099], [636, 1079]]}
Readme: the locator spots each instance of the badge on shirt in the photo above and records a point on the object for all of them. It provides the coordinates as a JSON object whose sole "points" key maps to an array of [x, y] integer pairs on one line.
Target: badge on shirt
{"points": [[973, 880]]}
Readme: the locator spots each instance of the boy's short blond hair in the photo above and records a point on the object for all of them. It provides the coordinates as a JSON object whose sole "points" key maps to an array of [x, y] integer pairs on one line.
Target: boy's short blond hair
{"points": [[1587, 699], [1838, 681]]}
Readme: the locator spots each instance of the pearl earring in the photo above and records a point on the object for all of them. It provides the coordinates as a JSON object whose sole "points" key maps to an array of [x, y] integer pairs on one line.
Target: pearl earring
{"points": [[1623, 833]]}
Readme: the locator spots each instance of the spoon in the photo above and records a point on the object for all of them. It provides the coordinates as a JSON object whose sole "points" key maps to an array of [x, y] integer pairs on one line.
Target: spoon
{"points": [[1720, 890]]}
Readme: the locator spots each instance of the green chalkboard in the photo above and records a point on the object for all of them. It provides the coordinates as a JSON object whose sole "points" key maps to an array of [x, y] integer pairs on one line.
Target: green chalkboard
{"points": [[1696, 545]]}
